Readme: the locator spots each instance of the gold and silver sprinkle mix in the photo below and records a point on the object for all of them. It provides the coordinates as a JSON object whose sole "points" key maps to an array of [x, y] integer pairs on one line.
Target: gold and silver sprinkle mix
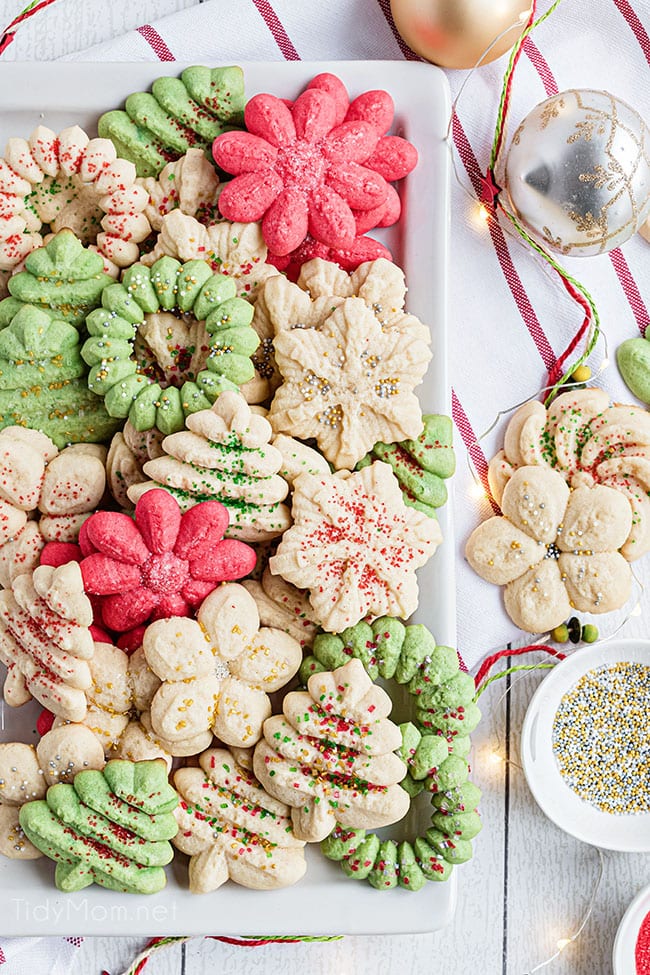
{"points": [[601, 738]]}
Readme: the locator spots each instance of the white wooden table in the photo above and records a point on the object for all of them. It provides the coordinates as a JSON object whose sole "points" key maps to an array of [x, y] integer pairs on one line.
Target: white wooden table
{"points": [[528, 884]]}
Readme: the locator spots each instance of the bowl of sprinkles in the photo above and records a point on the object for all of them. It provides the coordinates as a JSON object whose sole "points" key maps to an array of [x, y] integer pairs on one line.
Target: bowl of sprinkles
{"points": [[586, 745], [631, 954]]}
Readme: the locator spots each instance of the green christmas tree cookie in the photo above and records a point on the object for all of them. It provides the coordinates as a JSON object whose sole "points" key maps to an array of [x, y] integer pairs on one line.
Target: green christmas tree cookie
{"points": [[63, 279], [167, 341], [110, 828], [178, 114], [43, 381], [421, 466]]}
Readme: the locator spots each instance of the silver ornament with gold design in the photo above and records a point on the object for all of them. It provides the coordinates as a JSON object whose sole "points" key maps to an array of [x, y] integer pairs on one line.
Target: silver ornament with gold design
{"points": [[577, 172]]}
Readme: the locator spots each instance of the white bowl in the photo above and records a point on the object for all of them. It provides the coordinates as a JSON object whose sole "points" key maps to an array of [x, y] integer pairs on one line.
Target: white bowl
{"points": [[625, 833], [628, 932]]}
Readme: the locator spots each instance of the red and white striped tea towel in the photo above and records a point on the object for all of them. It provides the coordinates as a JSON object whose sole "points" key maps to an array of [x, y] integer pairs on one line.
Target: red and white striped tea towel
{"points": [[509, 317], [33, 956]]}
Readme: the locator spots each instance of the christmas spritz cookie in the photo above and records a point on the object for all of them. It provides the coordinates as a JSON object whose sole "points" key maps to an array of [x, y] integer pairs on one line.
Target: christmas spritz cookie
{"points": [[435, 748], [217, 671], [167, 341], [161, 563], [307, 167], [178, 114], [330, 755], [66, 749], [555, 550], [21, 780], [225, 453], [284, 607], [355, 546], [129, 450], [45, 495], [422, 465], [43, 381], [64, 279], [234, 249], [189, 184], [588, 440], [322, 286], [233, 829], [348, 383], [45, 642], [111, 828], [69, 180]]}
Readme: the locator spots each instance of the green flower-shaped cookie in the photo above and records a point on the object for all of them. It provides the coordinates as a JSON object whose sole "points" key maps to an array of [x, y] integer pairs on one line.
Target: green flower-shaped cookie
{"points": [[178, 114], [63, 279], [167, 341], [43, 381]]}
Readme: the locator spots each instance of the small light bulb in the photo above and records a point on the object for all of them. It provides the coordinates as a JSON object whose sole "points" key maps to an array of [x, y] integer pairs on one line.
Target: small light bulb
{"points": [[495, 758], [483, 213], [562, 943], [477, 490]]}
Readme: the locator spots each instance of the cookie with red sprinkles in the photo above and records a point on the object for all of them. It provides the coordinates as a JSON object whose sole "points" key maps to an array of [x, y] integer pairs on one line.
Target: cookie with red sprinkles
{"points": [[52, 181], [330, 755], [109, 827], [233, 829], [355, 546]]}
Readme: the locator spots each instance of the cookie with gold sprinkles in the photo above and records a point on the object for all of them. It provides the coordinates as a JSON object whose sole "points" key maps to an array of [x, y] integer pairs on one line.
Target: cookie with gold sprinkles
{"points": [[43, 381], [330, 755], [233, 829]]}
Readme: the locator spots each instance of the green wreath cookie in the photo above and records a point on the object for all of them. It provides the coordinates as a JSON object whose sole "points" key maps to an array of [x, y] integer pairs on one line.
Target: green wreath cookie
{"points": [[167, 341], [435, 749], [421, 466]]}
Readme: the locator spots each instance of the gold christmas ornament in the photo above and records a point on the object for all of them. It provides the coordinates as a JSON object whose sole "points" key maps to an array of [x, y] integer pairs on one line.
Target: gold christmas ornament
{"points": [[577, 172], [455, 33]]}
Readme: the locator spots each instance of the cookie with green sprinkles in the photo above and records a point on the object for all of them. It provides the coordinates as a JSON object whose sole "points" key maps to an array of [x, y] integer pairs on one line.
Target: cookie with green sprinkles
{"points": [[167, 341], [43, 381], [434, 748], [178, 114], [330, 755], [64, 279], [232, 829], [226, 455], [111, 828], [421, 466]]}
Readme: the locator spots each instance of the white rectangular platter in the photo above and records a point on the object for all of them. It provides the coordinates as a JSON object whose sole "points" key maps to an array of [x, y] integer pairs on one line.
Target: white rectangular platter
{"points": [[324, 902]]}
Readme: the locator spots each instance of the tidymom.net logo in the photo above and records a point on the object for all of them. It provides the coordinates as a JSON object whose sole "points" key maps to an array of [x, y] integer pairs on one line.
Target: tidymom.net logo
{"points": [[84, 910]]}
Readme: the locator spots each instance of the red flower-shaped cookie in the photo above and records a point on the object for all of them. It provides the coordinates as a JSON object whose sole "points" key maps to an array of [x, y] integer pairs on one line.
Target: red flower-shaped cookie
{"points": [[363, 249], [313, 166], [160, 565]]}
